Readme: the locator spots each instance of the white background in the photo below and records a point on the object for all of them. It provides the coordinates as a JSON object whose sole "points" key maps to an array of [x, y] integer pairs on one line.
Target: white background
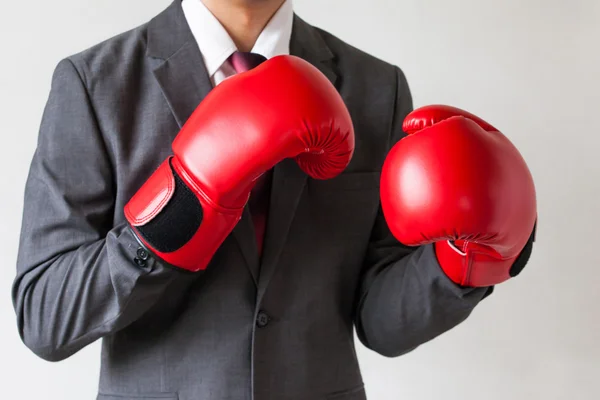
{"points": [[531, 67]]}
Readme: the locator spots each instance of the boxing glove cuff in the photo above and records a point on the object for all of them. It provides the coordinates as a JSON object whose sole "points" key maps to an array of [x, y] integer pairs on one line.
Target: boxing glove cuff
{"points": [[173, 218], [472, 265]]}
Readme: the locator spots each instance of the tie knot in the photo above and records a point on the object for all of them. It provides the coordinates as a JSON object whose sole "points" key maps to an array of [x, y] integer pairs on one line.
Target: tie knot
{"points": [[245, 61]]}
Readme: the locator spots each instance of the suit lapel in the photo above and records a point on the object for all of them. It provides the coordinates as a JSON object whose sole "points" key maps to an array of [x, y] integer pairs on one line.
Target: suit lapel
{"points": [[307, 44], [184, 81], [288, 179], [182, 76], [246, 239], [179, 68]]}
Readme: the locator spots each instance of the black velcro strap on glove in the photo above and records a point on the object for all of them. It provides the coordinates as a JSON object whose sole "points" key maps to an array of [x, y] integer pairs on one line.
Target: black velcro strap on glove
{"points": [[523, 258], [178, 221]]}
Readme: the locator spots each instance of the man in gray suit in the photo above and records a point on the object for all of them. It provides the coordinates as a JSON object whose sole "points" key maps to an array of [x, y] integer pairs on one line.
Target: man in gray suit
{"points": [[278, 326]]}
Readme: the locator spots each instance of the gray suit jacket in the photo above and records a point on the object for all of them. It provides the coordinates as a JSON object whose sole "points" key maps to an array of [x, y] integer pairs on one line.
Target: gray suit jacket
{"points": [[281, 329]]}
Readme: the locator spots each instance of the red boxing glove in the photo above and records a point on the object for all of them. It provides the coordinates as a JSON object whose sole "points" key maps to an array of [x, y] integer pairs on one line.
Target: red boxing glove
{"points": [[458, 182], [284, 108]]}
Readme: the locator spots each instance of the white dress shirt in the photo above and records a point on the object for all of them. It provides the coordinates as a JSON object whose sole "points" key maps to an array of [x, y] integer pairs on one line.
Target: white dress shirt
{"points": [[216, 45]]}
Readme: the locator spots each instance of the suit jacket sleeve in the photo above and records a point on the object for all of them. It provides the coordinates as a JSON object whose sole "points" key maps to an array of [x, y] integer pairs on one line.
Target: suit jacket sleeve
{"points": [[405, 298], [77, 279]]}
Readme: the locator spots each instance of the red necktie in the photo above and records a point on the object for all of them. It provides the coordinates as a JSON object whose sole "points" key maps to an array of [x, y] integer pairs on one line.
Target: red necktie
{"points": [[259, 197]]}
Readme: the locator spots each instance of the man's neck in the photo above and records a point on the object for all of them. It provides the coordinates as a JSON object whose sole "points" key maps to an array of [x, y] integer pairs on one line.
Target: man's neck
{"points": [[244, 20]]}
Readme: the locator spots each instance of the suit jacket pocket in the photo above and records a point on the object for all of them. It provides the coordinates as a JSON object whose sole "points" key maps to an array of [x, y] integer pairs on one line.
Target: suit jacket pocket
{"points": [[138, 396], [357, 393]]}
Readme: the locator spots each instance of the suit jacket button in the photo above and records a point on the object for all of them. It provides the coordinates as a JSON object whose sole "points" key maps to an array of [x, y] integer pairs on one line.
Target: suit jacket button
{"points": [[262, 319], [142, 254], [139, 262]]}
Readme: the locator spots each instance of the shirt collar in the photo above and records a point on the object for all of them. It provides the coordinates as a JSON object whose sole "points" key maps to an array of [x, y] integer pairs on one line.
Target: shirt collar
{"points": [[216, 45], [274, 40]]}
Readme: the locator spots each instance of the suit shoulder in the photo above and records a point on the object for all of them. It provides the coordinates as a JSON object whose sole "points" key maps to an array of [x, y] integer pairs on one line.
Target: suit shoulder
{"points": [[111, 55]]}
